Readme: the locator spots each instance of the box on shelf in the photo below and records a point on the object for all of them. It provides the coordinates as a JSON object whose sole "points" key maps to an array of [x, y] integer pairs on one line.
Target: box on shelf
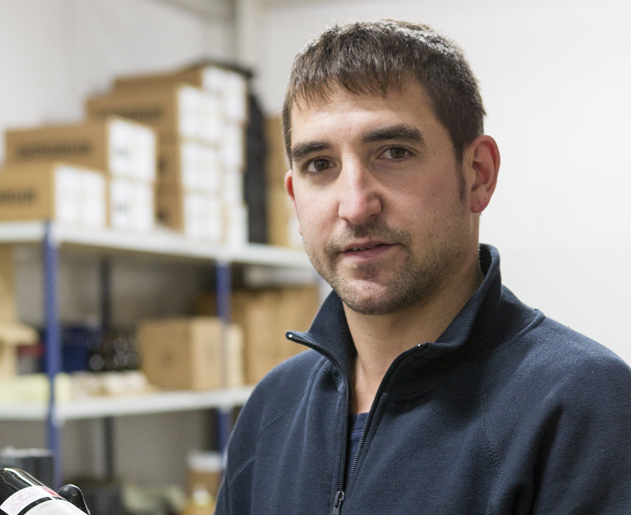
{"points": [[282, 222], [228, 85], [265, 316], [173, 111], [276, 162], [132, 205], [34, 389], [123, 148], [196, 214], [13, 337], [8, 360], [235, 223], [8, 304], [204, 471], [62, 192], [232, 185], [12, 333], [125, 382], [193, 165], [186, 353], [232, 145]]}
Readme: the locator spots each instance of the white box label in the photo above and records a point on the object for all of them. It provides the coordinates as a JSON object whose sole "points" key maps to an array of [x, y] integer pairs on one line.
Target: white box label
{"points": [[55, 508], [16, 502]]}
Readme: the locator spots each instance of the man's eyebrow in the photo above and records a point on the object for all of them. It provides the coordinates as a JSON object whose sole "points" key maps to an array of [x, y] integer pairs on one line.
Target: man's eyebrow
{"points": [[300, 150], [398, 132]]}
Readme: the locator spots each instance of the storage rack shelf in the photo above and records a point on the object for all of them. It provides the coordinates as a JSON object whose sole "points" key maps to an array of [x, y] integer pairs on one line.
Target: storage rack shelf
{"points": [[159, 242], [137, 404]]}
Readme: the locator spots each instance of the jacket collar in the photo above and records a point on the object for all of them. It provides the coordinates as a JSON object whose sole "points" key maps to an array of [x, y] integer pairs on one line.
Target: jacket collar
{"points": [[330, 335]]}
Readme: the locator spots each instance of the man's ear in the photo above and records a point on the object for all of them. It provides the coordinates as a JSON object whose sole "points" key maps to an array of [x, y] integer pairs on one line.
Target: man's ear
{"points": [[289, 188], [482, 162]]}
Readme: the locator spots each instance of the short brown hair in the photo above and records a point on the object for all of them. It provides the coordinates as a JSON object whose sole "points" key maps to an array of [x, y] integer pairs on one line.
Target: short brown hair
{"points": [[371, 57]]}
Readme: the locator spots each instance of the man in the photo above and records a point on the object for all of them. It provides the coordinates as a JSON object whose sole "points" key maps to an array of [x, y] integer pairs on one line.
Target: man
{"points": [[430, 388]]}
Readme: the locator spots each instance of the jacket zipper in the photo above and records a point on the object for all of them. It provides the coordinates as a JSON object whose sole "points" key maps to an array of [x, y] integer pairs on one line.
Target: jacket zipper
{"points": [[340, 495], [362, 438], [337, 503]]}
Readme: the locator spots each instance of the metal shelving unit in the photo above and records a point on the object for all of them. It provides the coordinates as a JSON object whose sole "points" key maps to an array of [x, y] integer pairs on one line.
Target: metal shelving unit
{"points": [[51, 237]]}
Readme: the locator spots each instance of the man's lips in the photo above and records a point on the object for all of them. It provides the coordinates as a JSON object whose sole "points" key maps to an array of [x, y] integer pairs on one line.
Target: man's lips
{"points": [[365, 246], [365, 250]]}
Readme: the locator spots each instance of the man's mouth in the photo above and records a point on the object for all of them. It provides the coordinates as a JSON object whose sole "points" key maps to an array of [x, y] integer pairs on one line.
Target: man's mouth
{"points": [[367, 247]]}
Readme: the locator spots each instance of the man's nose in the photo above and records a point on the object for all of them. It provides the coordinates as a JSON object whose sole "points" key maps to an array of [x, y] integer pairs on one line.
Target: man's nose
{"points": [[359, 199]]}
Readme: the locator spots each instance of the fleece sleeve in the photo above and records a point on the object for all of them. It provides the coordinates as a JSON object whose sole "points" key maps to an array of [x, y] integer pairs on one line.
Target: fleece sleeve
{"points": [[584, 461]]}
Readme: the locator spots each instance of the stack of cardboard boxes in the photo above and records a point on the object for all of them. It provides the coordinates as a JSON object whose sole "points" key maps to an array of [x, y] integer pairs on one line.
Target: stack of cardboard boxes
{"points": [[170, 147], [200, 118], [189, 353], [88, 174]]}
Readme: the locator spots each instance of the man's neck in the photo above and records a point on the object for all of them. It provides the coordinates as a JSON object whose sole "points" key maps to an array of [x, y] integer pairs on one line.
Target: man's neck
{"points": [[379, 339]]}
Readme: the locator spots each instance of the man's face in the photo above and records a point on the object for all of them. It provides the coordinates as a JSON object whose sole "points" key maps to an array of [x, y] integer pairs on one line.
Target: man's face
{"points": [[382, 203]]}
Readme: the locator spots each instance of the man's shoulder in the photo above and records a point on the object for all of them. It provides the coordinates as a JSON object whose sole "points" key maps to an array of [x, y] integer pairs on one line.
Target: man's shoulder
{"points": [[550, 359], [562, 347]]}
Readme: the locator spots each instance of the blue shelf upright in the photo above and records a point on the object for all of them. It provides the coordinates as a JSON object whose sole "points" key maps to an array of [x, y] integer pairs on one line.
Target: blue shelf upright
{"points": [[223, 293], [52, 345]]}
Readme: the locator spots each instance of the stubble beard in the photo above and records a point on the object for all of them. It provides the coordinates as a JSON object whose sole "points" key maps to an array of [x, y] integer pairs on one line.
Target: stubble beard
{"points": [[413, 281]]}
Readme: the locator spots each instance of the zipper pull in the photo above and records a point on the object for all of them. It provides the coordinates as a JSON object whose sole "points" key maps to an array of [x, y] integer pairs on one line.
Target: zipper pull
{"points": [[337, 504]]}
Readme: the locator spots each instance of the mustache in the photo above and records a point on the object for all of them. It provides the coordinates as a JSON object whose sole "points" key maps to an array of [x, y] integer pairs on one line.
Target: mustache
{"points": [[377, 231]]}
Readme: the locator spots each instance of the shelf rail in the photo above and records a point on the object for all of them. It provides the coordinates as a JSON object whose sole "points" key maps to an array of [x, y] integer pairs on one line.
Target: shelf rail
{"points": [[52, 346]]}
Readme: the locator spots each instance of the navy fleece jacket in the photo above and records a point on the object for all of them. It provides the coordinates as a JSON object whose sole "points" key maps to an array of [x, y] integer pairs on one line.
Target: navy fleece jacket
{"points": [[508, 412]]}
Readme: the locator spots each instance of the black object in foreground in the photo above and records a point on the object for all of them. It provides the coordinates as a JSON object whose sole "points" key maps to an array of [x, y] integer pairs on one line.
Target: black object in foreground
{"points": [[21, 493]]}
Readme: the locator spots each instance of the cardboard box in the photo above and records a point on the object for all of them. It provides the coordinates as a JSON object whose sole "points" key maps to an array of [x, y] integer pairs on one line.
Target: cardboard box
{"points": [[229, 86], [8, 360], [121, 147], [282, 222], [232, 145], [132, 205], [191, 165], [195, 214], [235, 223], [204, 470], [186, 353], [179, 111], [265, 316], [12, 333], [65, 193], [276, 162], [34, 389]]}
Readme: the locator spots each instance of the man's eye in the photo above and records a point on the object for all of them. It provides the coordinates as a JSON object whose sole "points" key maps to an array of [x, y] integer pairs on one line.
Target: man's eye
{"points": [[395, 153], [318, 165]]}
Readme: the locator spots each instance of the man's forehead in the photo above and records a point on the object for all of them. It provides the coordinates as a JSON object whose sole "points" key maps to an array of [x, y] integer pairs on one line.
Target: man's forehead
{"points": [[409, 104], [323, 96]]}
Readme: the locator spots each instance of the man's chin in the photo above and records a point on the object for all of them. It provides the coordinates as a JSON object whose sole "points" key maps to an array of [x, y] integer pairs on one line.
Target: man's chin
{"points": [[372, 299], [374, 307]]}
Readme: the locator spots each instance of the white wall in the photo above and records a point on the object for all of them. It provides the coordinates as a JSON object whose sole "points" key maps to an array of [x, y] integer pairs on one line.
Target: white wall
{"points": [[556, 77]]}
